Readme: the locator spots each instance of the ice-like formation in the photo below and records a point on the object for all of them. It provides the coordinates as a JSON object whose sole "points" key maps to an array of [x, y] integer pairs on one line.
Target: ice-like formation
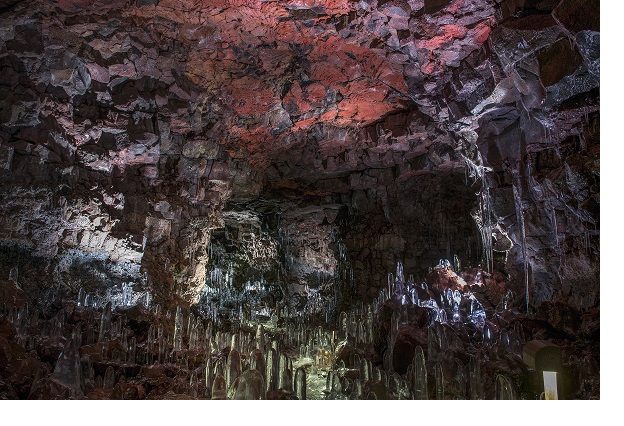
{"points": [[483, 214], [245, 347], [517, 193]]}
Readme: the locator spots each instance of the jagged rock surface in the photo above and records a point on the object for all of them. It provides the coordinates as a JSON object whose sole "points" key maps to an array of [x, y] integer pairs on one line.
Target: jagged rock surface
{"points": [[128, 128]]}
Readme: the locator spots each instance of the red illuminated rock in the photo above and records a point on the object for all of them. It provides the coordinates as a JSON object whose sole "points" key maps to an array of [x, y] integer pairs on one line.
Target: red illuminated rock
{"points": [[441, 279]]}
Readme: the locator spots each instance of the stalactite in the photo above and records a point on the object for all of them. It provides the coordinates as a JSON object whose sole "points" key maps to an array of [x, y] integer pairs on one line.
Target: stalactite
{"points": [[517, 192], [483, 215]]}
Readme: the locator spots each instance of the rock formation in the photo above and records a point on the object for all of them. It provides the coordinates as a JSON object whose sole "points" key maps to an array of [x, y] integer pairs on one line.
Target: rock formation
{"points": [[177, 175], [406, 129]]}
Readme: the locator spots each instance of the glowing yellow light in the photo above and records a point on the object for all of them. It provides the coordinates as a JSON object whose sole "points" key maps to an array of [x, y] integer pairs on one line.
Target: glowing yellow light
{"points": [[550, 385]]}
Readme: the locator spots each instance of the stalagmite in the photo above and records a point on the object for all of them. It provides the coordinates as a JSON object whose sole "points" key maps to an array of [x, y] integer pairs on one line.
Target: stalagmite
{"points": [[300, 383], [420, 375], [105, 322]]}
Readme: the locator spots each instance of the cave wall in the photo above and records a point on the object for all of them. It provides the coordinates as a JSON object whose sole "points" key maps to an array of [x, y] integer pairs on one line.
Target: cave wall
{"points": [[126, 128], [542, 142], [417, 223]]}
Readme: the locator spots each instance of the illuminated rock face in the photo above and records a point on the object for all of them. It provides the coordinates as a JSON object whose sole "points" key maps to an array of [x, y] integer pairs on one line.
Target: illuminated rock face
{"points": [[126, 129]]}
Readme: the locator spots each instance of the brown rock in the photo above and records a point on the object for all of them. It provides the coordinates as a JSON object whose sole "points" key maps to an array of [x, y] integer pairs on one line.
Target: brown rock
{"points": [[441, 279], [98, 73]]}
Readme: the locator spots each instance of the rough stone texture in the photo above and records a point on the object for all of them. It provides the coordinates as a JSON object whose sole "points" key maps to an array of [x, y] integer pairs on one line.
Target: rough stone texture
{"points": [[126, 127]]}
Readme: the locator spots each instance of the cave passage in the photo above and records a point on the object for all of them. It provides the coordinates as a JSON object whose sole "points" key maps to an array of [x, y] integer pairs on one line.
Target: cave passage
{"points": [[326, 199]]}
